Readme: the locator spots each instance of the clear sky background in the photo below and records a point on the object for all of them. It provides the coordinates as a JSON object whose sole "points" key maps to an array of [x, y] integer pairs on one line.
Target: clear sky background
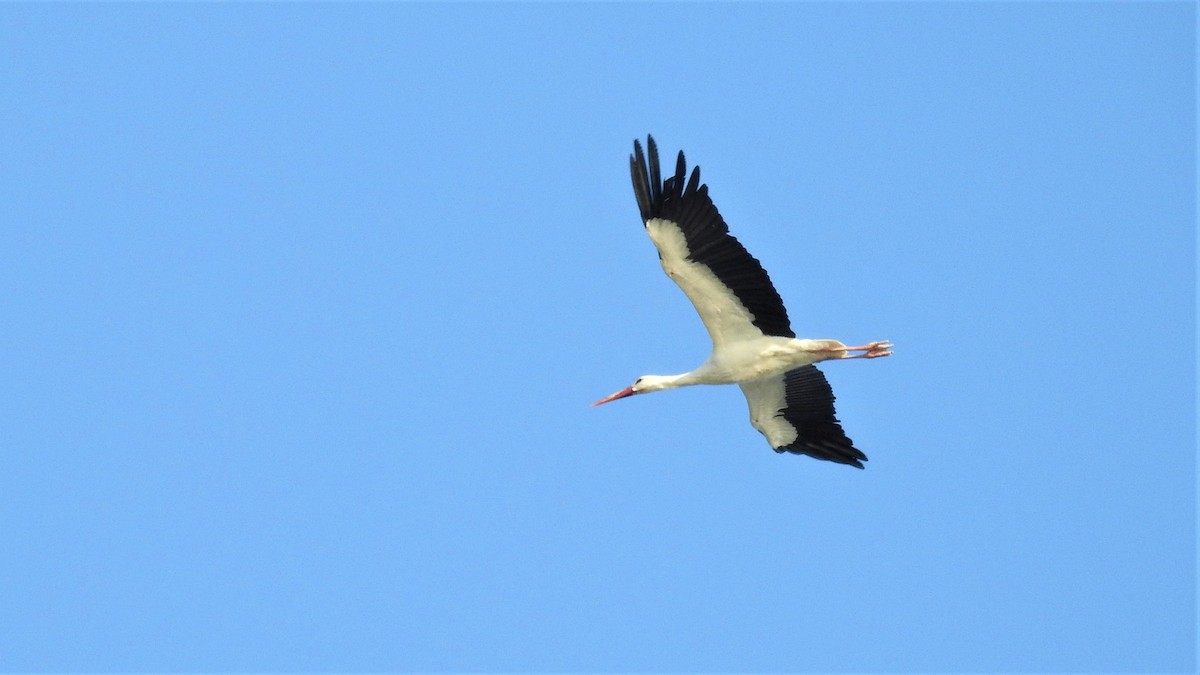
{"points": [[303, 306]]}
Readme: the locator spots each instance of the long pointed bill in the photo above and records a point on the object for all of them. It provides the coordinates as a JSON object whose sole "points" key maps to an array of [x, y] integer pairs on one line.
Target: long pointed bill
{"points": [[627, 391]]}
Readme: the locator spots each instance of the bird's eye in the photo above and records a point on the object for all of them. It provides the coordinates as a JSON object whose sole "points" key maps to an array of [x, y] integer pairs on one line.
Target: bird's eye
{"points": [[637, 382]]}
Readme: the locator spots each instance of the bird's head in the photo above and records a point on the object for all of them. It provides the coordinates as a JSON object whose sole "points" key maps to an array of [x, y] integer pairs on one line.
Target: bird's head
{"points": [[642, 385]]}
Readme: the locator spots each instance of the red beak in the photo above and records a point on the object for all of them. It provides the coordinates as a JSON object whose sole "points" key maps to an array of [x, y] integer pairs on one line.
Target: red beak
{"points": [[627, 391]]}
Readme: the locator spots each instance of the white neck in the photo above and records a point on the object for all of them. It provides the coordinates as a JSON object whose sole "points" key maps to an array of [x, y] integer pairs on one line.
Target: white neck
{"points": [[648, 383]]}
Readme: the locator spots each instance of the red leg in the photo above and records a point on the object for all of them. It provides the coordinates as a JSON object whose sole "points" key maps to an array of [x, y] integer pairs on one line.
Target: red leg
{"points": [[872, 349]]}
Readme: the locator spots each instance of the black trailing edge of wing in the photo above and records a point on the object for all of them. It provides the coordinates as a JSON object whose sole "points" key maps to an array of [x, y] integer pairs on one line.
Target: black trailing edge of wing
{"points": [[810, 411], [708, 240]]}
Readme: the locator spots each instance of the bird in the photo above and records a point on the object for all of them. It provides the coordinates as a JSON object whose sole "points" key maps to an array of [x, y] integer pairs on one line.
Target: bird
{"points": [[753, 345]]}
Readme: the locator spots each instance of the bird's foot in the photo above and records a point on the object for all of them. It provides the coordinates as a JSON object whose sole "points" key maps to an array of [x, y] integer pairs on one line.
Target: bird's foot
{"points": [[871, 350]]}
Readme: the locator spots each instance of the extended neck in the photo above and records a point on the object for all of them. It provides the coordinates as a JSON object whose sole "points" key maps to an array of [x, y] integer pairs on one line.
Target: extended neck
{"points": [[648, 383]]}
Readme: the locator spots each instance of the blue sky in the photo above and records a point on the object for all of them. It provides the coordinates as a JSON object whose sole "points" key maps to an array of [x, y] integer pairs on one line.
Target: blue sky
{"points": [[304, 305]]}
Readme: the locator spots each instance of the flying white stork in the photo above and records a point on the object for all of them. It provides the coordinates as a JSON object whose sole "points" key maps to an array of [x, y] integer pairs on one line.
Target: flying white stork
{"points": [[753, 343]]}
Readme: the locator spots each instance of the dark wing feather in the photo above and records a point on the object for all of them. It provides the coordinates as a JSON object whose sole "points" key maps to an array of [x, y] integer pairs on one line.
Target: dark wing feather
{"points": [[810, 410]]}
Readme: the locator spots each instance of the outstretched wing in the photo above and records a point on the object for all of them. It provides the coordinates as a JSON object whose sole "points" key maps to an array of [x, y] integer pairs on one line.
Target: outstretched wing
{"points": [[728, 287], [795, 412]]}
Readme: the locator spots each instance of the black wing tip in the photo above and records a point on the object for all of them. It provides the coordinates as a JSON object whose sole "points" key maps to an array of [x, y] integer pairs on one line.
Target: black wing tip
{"points": [[643, 186], [848, 455], [652, 191]]}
